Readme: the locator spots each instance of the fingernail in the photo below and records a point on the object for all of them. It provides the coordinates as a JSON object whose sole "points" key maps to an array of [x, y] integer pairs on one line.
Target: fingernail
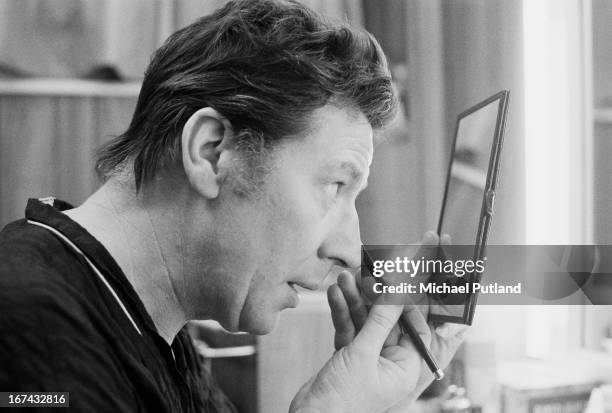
{"points": [[443, 330], [343, 277]]}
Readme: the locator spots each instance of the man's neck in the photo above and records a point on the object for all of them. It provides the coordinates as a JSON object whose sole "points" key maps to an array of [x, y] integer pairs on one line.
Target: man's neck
{"points": [[117, 218]]}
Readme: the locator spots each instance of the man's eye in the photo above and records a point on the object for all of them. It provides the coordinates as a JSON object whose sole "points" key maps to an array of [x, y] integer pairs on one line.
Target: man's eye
{"points": [[334, 188]]}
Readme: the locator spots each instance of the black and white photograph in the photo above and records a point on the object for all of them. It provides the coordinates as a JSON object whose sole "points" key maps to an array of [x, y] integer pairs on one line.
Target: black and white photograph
{"points": [[306, 206]]}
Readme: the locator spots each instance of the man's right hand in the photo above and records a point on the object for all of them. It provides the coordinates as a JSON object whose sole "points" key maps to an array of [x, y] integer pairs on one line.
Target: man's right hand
{"points": [[371, 374], [375, 367]]}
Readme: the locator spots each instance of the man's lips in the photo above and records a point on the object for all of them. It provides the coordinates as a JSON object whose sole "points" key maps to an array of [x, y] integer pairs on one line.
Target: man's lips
{"points": [[313, 285], [304, 284]]}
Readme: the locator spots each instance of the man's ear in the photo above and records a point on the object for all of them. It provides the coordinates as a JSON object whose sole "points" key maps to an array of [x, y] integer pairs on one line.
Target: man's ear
{"points": [[203, 134]]}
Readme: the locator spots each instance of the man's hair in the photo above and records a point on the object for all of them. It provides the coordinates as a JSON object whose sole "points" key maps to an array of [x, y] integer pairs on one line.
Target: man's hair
{"points": [[265, 66]]}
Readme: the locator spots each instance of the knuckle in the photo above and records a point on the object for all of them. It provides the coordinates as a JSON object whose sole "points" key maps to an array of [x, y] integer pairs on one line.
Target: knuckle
{"points": [[381, 320]]}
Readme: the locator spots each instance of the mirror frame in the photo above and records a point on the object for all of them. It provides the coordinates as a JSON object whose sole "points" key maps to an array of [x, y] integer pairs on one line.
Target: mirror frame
{"points": [[488, 199]]}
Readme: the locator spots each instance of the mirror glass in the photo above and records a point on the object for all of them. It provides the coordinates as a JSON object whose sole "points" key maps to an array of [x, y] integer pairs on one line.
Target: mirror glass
{"points": [[468, 176], [466, 188]]}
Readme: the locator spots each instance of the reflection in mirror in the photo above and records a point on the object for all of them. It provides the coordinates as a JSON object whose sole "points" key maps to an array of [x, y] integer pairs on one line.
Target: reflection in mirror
{"points": [[475, 134]]}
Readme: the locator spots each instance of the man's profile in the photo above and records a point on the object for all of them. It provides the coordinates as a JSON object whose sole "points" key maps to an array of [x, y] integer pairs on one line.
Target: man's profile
{"points": [[235, 181]]}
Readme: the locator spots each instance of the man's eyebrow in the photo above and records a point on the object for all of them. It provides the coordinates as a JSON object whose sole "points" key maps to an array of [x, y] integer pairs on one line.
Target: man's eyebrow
{"points": [[352, 169], [355, 173]]}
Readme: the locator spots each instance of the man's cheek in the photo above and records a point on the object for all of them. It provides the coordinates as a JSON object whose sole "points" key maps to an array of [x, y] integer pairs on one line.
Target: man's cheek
{"points": [[300, 230]]}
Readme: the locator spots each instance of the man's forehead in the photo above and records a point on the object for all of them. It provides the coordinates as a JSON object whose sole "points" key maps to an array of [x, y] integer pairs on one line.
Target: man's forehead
{"points": [[338, 129]]}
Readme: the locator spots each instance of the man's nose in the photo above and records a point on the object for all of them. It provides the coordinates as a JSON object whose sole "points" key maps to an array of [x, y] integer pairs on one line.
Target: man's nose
{"points": [[343, 243]]}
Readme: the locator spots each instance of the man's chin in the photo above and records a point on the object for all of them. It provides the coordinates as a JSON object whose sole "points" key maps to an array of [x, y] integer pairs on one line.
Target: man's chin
{"points": [[259, 325]]}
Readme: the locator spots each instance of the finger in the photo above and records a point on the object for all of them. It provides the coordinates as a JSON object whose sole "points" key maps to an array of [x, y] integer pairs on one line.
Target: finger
{"points": [[412, 319], [394, 337], [378, 325], [341, 318], [356, 304], [448, 330], [445, 239], [430, 238], [445, 348], [429, 245], [399, 330], [367, 289], [411, 315]]}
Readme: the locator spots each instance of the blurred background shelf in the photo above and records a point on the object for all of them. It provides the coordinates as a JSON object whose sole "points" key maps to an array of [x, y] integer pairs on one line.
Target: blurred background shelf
{"points": [[68, 87], [49, 132]]}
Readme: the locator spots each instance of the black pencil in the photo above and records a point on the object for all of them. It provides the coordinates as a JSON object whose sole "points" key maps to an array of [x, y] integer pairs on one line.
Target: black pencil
{"points": [[407, 328], [429, 358]]}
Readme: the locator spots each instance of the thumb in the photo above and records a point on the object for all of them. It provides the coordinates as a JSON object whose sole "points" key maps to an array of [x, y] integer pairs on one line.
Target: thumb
{"points": [[381, 320], [429, 245]]}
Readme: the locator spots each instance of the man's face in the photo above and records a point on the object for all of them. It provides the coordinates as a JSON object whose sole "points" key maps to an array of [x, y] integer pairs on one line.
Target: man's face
{"points": [[301, 223]]}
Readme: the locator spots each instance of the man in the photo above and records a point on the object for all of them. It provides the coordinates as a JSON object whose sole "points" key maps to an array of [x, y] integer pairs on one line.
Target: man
{"points": [[235, 181]]}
